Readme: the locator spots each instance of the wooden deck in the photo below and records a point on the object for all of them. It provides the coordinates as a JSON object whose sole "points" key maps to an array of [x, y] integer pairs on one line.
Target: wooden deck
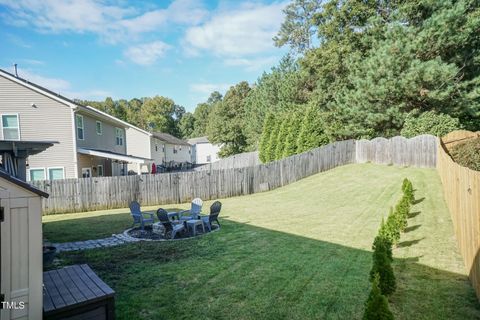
{"points": [[76, 292]]}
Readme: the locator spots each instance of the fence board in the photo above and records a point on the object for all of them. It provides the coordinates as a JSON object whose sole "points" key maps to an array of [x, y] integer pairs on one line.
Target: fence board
{"points": [[461, 188], [419, 151]]}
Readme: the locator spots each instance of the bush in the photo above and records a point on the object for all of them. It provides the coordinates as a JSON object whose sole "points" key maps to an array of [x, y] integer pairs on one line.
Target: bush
{"points": [[467, 154], [376, 306], [382, 265], [401, 213], [390, 229], [437, 124], [383, 244], [407, 188]]}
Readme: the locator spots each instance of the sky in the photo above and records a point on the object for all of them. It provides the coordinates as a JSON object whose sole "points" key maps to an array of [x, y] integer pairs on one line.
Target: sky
{"points": [[181, 49]]}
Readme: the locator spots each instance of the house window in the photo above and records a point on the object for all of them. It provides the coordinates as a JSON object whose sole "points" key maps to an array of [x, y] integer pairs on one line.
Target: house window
{"points": [[55, 173], [37, 174], [99, 128], [100, 170], [10, 127], [174, 149], [180, 147], [80, 130], [209, 158], [119, 136], [163, 148], [156, 147], [86, 172]]}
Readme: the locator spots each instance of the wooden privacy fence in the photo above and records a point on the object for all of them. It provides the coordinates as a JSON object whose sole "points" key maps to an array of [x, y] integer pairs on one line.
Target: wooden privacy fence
{"points": [[77, 195], [419, 151], [461, 188], [242, 160]]}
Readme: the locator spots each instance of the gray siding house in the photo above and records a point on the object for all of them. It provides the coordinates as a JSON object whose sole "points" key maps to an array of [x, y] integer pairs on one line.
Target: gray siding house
{"points": [[91, 143], [163, 148]]}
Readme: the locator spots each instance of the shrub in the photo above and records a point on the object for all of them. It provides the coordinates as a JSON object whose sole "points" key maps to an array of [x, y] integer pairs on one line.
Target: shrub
{"points": [[401, 213], [376, 306], [391, 230], [382, 265], [467, 154], [430, 122], [381, 243], [407, 188]]}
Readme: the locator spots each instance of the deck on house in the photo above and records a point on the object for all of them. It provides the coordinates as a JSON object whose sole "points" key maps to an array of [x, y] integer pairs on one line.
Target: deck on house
{"points": [[76, 292]]}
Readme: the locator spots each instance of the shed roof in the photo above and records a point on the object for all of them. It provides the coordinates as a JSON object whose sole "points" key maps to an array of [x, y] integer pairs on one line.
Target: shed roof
{"points": [[168, 138], [22, 184]]}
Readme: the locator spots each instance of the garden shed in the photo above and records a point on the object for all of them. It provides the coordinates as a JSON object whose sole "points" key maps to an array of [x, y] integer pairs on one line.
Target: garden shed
{"points": [[21, 249]]}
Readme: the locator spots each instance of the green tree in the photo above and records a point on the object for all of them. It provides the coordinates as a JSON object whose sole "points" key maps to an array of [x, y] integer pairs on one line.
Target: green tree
{"points": [[292, 136], [281, 90], [298, 27], [429, 122], [226, 121], [157, 114], [376, 306], [282, 137], [186, 125], [272, 142], [268, 127], [312, 134]]}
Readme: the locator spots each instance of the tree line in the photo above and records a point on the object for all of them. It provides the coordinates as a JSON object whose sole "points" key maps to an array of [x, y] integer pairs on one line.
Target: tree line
{"points": [[357, 69]]}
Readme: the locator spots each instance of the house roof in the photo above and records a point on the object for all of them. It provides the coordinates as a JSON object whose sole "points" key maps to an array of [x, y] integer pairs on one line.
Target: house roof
{"points": [[22, 184], [168, 138], [113, 155], [198, 140], [69, 102]]}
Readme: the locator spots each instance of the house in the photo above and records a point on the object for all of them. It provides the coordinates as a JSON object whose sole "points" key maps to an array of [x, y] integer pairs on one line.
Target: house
{"points": [[203, 151], [90, 143], [164, 149]]}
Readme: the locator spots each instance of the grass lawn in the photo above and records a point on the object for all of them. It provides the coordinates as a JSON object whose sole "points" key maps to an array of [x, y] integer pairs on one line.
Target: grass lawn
{"points": [[299, 252]]}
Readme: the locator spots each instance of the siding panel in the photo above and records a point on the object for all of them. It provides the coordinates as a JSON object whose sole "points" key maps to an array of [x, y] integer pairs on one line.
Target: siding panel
{"points": [[48, 120]]}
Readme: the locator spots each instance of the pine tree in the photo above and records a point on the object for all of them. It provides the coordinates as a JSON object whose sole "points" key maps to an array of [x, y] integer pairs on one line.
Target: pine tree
{"points": [[292, 136], [281, 138], [376, 306], [311, 133], [268, 126]]}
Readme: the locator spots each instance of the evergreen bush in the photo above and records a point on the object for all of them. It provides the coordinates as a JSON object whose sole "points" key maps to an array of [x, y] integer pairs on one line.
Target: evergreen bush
{"points": [[376, 306], [382, 265]]}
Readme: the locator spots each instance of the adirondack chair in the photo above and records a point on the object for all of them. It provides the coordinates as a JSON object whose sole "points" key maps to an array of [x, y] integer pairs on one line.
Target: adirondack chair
{"points": [[172, 228], [213, 216], [194, 211], [140, 217]]}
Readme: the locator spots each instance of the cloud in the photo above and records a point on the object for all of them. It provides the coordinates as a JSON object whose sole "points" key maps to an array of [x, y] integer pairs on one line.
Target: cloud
{"points": [[147, 53], [252, 64], [246, 30], [207, 88], [112, 22], [60, 86]]}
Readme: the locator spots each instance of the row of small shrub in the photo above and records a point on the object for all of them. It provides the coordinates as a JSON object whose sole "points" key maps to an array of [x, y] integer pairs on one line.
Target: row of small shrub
{"points": [[381, 274]]}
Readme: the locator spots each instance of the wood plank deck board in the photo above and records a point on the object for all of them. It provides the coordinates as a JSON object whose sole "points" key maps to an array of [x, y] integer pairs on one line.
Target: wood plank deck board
{"points": [[73, 287]]}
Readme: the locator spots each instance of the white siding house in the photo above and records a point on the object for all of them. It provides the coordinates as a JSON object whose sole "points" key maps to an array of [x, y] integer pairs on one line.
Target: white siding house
{"points": [[203, 151]]}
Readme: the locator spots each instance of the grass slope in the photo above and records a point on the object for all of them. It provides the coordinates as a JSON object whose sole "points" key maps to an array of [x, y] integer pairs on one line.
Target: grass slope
{"points": [[299, 252]]}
